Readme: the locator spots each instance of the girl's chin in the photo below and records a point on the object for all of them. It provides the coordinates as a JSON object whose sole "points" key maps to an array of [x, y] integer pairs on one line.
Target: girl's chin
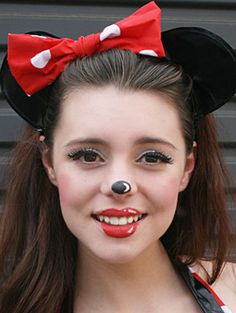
{"points": [[124, 253], [113, 255], [118, 259]]}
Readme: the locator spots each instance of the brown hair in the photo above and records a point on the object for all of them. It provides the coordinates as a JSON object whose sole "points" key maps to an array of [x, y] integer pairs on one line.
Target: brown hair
{"points": [[37, 251]]}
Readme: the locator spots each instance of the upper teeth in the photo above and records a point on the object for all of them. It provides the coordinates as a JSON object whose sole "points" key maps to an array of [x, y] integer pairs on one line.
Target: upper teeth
{"points": [[113, 220]]}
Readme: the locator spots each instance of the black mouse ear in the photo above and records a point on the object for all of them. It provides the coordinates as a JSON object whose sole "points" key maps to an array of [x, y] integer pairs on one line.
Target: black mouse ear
{"points": [[30, 108], [208, 60]]}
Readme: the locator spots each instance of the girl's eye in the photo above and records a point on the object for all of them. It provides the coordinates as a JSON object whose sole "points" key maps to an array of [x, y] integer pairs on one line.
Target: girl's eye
{"points": [[155, 157], [86, 155]]}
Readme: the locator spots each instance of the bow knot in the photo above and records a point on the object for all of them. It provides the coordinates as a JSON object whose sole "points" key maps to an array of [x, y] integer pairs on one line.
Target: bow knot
{"points": [[86, 45]]}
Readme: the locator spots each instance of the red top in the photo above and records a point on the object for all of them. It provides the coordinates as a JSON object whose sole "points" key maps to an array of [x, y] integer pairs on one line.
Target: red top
{"points": [[224, 308]]}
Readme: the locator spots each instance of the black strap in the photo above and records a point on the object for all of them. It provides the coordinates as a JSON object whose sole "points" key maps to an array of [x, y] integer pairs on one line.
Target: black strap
{"points": [[205, 299]]}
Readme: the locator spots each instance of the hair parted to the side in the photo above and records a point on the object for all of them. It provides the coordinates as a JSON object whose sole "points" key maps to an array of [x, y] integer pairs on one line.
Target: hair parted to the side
{"points": [[37, 251]]}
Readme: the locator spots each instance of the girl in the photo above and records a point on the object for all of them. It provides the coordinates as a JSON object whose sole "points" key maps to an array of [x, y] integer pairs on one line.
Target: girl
{"points": [[116, 199]]}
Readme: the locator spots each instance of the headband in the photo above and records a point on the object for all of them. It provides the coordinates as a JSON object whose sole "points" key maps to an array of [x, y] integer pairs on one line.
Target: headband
{"points": [[35, 60]]}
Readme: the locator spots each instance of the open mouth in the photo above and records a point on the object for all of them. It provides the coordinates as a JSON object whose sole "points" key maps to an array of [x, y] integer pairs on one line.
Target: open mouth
{"points": [[119, 221]]}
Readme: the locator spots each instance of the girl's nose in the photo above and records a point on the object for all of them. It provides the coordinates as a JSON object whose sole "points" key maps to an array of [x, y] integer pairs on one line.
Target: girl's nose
{"points": [[119, 179], [119, 188]]}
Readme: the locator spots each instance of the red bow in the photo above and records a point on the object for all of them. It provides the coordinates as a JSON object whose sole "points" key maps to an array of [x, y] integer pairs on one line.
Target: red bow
{"points": [[36, 61]]}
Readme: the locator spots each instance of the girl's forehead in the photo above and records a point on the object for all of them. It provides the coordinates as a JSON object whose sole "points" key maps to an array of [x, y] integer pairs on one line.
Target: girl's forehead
{"points": [[112, 102], [110, 112]]}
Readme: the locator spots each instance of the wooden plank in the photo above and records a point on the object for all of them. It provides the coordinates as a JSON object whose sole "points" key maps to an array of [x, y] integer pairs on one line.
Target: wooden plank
{"points": [[135, 2], [2, 54], [4, 161], [75, 20], [11, 126], [226, 123]]}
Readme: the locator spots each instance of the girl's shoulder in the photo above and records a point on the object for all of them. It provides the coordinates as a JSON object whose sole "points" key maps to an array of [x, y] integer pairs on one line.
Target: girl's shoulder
{"points": [[225, 285]]}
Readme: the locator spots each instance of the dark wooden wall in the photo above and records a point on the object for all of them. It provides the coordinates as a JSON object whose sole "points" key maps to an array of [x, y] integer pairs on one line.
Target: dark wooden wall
{"points": [[75, 18]]}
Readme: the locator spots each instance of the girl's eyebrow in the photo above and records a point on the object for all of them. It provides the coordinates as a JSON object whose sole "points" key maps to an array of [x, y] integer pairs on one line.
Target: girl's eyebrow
{"points": [[157, 140], [88, 140], [140, 141]]}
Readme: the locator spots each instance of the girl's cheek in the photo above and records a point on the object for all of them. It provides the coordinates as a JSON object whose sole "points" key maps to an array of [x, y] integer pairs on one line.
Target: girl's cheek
{"points": [[73, 188], [166, 191], [67, 189]]}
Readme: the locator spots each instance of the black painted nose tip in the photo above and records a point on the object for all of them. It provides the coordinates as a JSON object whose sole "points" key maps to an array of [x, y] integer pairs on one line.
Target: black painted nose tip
{"points": [[121, 187]]}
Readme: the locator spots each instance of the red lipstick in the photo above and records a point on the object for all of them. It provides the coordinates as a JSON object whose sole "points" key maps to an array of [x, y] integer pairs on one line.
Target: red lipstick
{"points": [[119, 231], [119, 223]]}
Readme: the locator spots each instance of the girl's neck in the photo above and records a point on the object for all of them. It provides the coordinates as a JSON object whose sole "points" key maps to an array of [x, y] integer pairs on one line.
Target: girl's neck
{"points": [[124, 287]]}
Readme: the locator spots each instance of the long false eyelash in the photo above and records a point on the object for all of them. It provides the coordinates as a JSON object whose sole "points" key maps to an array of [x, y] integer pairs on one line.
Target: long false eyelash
{"points": [[77, 154], [165, 157], [158, 155]]}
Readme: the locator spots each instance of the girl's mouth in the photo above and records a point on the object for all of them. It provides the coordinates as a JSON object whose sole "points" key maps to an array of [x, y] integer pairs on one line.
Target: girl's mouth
{"points": [[119, 223]]}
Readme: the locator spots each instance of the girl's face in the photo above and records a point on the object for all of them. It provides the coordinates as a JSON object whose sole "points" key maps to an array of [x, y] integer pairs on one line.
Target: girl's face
{"points": [[105, 135]]}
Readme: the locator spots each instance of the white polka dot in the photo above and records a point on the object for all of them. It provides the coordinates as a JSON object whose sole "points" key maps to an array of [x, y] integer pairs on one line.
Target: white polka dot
{"points": [[110, 32], [39, 36], [149, 52], [41, 59], [225, 309]]}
